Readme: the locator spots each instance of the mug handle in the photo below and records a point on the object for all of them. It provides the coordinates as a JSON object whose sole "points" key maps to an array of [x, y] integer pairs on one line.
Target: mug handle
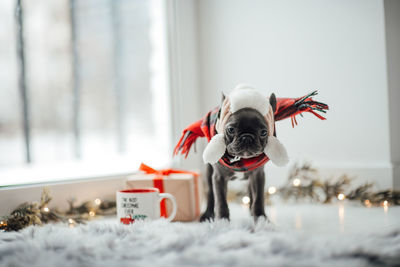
{"points": [[174, 205]]}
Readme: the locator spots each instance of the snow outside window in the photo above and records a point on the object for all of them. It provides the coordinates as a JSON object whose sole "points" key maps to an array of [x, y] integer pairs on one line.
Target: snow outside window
{"points": [[95, 100]]}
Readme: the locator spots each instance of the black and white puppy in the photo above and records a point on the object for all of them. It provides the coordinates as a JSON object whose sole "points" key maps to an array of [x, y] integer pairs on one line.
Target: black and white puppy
{"points": [[245, 136]]}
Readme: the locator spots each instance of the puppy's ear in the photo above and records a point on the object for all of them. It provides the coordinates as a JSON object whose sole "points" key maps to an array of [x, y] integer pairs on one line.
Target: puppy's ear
{"points": [[222, 98], [221, 104], [272, 101]]}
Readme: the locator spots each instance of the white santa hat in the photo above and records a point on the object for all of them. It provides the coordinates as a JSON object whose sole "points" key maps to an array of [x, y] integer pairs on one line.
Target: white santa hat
{"points": [[244, 96]]}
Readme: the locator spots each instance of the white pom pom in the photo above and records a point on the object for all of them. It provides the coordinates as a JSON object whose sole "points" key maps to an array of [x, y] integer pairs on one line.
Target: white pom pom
{"points": [[215, 149], [248, 97], [276, 152], [241, 86]]}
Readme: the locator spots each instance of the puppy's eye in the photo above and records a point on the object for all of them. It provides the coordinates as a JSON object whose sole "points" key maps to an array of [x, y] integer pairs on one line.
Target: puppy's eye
{"points": [[264, 133], [230, 130]]}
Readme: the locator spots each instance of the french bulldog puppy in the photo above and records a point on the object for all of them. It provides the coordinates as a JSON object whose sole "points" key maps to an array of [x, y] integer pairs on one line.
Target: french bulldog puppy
{"points": [[246, 136]]}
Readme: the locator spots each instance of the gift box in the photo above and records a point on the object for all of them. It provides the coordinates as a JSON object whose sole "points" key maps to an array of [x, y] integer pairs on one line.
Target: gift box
{"points": [[183, 185]]}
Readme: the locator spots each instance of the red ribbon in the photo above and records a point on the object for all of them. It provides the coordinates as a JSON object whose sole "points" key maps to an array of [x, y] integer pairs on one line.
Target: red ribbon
{"points": [[158, 183]]}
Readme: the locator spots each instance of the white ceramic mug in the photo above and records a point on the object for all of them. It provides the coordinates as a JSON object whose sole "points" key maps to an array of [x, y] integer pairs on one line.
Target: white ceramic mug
{"points": [[142, 203]]}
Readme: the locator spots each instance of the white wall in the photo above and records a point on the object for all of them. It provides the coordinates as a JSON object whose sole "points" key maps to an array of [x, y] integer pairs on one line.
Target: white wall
{"points": [[293, 47], [392, 25]]}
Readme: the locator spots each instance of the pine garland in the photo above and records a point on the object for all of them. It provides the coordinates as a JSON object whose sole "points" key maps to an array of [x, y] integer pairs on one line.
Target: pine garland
{"points": [[35, 213], [304, 183]]}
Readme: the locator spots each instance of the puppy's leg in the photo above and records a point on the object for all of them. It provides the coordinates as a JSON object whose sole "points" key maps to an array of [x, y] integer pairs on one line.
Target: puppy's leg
{"points": [[251, 199], [246, 177], [256, 186], [220, 182], [209, 213]]}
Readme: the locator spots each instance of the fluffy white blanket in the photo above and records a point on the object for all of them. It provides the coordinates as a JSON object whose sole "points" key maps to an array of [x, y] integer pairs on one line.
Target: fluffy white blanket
{"points": [[220, 243]]}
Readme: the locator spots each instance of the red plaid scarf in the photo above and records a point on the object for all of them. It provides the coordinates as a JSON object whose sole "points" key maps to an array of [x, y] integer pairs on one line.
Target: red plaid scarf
{"points": [[285, 108]]}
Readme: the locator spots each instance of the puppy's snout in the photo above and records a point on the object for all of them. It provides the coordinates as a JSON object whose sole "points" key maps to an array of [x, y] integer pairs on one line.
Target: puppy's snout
{"points": [[246, 139]]}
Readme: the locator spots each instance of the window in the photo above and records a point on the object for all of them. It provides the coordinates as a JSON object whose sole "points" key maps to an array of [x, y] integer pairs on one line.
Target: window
{"points": [[88, 87]]}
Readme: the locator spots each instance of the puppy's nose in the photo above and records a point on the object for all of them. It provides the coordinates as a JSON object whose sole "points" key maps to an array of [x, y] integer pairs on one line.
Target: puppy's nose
{"points": [[246, 138]]}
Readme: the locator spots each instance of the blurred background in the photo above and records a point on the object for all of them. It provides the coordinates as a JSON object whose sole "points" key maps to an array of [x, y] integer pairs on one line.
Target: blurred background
{"points": [[87, 85], [104, 85]]}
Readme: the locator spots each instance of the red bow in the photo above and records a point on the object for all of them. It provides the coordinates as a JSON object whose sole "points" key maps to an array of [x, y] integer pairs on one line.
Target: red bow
{"points": [[163, 172]]}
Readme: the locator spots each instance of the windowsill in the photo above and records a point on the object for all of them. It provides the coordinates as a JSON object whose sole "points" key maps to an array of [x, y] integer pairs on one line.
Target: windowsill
{"points": [[80, 181], [51, 173]]}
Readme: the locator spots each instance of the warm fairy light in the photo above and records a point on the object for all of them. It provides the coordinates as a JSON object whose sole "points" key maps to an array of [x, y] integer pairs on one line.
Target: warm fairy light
{"points": [[296, 182], [367, 203], [97, 201], [91, 213], [385, 205], [46, 209], [246, 200], [341, 217], [341, 196], [272, 190], [71, 222]]}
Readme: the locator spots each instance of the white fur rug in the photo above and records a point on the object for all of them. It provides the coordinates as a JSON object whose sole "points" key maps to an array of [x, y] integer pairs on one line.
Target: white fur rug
{"points": [[220, 243]]}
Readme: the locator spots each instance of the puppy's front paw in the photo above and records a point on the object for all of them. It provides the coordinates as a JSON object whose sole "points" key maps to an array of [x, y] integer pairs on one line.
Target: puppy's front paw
{"points": [[207, 216], [223, 214], [258, 212], [261, 218]]}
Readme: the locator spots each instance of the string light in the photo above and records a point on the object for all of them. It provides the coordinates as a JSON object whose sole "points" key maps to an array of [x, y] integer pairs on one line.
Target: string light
{"points": [[71, 222], [367, 203], [272, 190], [23, 217], [97, 201], [296, 182], [385, 206], [341, 196], [246, 200]]}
